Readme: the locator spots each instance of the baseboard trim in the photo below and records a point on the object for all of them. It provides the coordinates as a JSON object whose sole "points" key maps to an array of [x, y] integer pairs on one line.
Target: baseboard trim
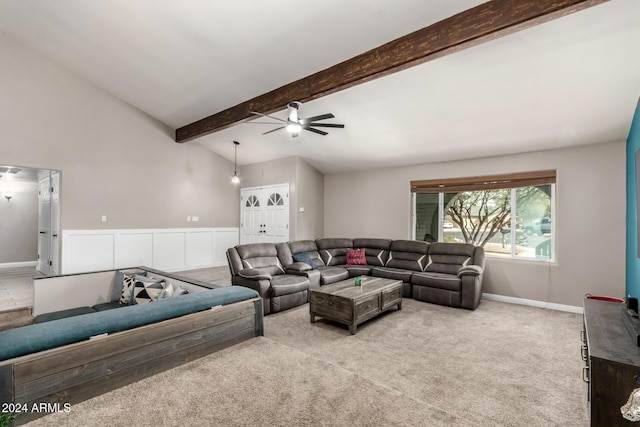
{"points": [[533, 303], [18, 264]]}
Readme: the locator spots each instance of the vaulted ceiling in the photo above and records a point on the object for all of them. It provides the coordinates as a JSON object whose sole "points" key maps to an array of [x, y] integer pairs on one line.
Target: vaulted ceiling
{"points": [[571, 81]]}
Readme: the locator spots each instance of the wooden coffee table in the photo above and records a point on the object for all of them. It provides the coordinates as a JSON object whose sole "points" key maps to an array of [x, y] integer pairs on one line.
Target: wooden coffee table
{"points": [[343, 302]]}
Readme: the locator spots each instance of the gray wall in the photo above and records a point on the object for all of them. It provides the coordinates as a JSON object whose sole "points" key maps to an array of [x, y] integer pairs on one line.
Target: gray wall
{"points": [[310, 196], [19, 223], [590, 218], [115, 160], [306, 189]]}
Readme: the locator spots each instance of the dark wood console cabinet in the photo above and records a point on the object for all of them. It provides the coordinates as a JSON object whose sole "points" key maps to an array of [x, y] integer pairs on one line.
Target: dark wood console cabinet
{"points": [[612, 362]]}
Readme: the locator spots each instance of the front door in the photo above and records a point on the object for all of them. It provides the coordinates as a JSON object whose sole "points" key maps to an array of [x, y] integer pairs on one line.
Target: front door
{"points": [[264, 214], [252, 212], [277, 215]]}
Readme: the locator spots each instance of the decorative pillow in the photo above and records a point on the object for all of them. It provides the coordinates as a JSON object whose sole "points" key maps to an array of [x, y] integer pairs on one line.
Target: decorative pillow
{"points": [[179, 291], [128, 282], [167, 292], [304, 257], [147, 290], [356, 257]]}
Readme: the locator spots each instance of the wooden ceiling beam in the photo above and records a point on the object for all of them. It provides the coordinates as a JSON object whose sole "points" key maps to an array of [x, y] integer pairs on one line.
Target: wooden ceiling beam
{"points": [[471, 27]]}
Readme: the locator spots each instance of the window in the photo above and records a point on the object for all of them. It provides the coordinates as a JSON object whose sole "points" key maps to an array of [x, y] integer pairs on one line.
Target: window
{"points": [[275, 199], [252, 202], [508, 215]]}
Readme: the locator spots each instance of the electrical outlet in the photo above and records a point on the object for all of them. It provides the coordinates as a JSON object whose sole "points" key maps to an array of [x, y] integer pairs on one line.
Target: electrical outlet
{"points": [[104, 218], [188, 219], [195, 218]]}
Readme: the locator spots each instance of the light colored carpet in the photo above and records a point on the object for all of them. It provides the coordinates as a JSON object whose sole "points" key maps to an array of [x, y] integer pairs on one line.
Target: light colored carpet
{"points": [[500, 365]]}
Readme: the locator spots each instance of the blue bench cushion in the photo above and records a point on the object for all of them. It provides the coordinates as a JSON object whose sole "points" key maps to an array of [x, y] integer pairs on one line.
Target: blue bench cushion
{"points": [[43, 336]]}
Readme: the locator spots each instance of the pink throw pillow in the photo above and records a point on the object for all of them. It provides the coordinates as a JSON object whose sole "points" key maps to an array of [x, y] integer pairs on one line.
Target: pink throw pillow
{"points": [[356, 257]]}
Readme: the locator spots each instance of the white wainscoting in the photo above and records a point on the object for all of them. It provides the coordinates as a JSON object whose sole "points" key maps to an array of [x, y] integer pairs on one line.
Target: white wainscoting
{"points": [[170, 249]]}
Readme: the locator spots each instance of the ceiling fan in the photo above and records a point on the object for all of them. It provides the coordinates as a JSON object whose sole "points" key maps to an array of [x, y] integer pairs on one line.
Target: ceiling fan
{"points": [[294, 124]]}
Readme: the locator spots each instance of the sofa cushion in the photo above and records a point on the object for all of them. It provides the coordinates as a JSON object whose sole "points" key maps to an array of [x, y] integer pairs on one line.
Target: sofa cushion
{"points": [[376, 250], [334, 251], [449, 282], [392, 273], [260, 256], [62, 314], [305, 258], [308, 246], [356, 257], [408, 255], [449, 257], [358, 270], [286, 284], [332, 274]]}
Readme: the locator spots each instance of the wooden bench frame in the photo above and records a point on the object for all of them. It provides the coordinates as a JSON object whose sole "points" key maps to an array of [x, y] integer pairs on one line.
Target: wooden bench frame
{"points": [[76, 372]]}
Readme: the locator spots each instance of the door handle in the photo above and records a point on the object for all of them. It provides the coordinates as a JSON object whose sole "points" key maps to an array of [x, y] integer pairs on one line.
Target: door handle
{"points": [[43, 232]]}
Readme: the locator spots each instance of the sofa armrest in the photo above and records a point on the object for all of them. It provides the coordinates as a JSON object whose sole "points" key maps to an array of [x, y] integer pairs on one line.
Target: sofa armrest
{"points": [[297, 268], [253, 274], [470, 270]]}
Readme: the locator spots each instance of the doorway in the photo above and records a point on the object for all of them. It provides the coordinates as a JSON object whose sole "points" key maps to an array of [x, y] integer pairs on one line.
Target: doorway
{"points": [[49, 224], [30, 218], [264, 214]]}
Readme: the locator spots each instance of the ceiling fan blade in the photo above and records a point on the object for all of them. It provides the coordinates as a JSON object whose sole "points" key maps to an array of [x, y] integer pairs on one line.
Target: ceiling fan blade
{"points": [[273, 130], [325, 125], [266, 115], [320, 117], [321, 132]]}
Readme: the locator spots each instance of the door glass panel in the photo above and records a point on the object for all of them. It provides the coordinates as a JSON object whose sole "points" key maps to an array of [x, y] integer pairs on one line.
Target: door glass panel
{"points": [[427, 217], [252, 201], [275, 199]]}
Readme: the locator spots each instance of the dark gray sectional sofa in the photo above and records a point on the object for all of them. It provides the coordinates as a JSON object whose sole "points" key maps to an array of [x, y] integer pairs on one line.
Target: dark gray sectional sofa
{"points": [[283, 273]]}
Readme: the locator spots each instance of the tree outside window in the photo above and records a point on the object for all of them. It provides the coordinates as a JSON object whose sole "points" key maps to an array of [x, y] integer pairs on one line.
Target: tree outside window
{"points": [[484, 218]]}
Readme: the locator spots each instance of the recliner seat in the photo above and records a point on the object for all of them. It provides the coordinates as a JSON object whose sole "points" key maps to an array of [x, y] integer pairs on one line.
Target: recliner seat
{"points": [[452, 276], [406, 257], [257, 266]]}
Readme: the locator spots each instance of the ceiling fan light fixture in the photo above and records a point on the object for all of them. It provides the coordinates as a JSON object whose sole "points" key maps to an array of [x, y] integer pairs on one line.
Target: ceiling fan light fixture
{"points": [[293, 124], [293, 127]]}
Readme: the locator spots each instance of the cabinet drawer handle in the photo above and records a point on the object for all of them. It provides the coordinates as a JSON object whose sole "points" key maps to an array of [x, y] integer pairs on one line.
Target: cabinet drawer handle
{"points": [[584, 352], [585, 374], [583, 335]]}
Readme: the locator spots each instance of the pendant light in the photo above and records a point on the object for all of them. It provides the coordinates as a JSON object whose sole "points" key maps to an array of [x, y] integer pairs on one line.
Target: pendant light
{"points": [[235, 179]]}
